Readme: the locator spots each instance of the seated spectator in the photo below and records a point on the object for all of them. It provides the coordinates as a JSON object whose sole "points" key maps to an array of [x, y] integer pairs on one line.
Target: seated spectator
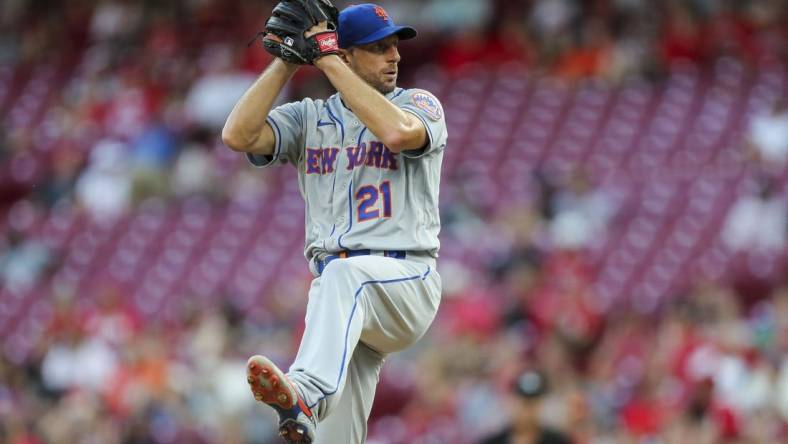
{"points": [[589, 57], [581, 213], [758, 222], [66, 165], [459, 14], [22, 261], [104, 188], [194, 171], [77, 361], [151, 156], [682, 39], [463, 49], [767, 137], [212, 96], [526, 425], [115, 19]]}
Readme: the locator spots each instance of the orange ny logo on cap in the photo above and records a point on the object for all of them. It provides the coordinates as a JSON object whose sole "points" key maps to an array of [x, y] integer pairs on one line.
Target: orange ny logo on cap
{"points": [[381, 13]]}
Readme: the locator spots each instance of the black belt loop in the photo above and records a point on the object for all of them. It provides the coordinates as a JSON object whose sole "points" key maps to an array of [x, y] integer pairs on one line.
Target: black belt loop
{"points": [[322, 264]]}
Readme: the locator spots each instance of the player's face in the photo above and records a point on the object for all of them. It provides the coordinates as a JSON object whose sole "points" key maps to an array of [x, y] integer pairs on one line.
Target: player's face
{"points": [[376, 63]]}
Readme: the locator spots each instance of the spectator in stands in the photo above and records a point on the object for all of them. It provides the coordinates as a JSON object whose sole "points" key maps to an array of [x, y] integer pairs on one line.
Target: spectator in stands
{"points": [[152, 155], [77, 361], [548, 18], [66, 165], [452, 15], [22, 261], [104, 187], [588, 56], [115, 19], [682, 37], [631, 28], [212, 96], [767, 137], [194, 172], [131, 102], [526, 426], [758, 222], [580, 213]]}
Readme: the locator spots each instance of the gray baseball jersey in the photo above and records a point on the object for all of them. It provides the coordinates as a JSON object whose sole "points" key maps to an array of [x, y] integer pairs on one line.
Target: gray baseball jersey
{"points": [[358, 193]]}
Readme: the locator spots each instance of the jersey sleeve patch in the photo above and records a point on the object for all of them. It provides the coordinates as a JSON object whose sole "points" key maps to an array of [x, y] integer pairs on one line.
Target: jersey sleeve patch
{"points": [[427, 103]]}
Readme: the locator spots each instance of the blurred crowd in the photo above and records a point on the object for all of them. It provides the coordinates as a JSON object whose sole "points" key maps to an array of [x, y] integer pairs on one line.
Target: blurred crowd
{"points": [[140, 90]]}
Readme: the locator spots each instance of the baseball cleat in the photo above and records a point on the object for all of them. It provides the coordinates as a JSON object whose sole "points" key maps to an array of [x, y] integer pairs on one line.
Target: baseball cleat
{"points": [[270, 386]]}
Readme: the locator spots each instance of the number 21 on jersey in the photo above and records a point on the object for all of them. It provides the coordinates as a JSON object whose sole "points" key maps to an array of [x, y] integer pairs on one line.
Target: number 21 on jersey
{"points": [[368, 206]]}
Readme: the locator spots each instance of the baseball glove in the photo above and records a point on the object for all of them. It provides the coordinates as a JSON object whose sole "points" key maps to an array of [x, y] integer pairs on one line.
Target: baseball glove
{"points": [[285, 30]]}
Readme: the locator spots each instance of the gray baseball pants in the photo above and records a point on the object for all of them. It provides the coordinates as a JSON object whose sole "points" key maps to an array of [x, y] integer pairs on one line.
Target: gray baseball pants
{"points": [[360, 309]]}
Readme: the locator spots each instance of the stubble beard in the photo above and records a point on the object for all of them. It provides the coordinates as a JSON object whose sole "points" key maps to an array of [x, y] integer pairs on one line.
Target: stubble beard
{"points": [[379, 85], [382, 87], [385, 89]]}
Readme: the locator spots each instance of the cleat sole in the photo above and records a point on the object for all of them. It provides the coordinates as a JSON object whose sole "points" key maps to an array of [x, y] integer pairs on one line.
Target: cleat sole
{"points": [[269, 385]]}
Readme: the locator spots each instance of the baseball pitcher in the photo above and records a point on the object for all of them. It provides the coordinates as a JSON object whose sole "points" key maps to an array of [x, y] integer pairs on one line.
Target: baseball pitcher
{"points": [[368, 162]]}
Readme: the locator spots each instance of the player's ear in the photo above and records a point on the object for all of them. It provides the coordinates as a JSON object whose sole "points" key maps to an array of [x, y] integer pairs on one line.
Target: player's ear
{"points": [[343, 53]]}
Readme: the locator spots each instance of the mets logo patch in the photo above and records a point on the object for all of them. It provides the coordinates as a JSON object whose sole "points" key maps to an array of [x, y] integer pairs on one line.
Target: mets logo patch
{"points": [[428, 104], [380, 12]]}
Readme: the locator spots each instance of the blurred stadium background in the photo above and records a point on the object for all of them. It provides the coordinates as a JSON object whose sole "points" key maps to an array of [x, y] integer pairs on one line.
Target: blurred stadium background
{"points": [[614, 203]]}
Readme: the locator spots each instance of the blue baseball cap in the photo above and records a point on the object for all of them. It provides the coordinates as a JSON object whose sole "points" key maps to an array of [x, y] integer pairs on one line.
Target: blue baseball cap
{"points": [[367, 23]]}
